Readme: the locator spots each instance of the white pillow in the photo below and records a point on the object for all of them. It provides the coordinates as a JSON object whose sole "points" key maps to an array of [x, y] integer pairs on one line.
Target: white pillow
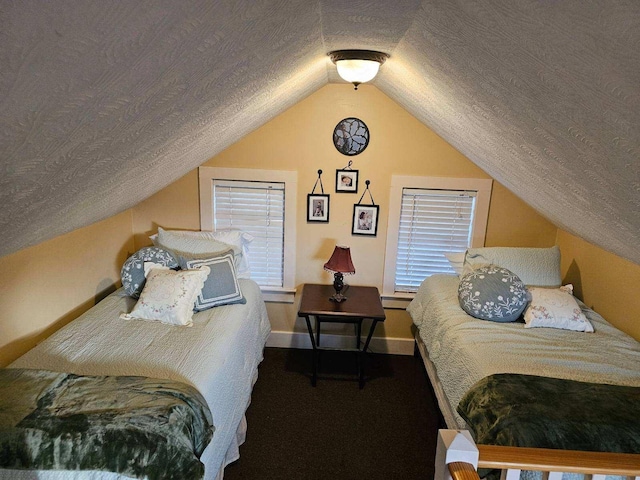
{"points": [[555, 308], [456, 259], [148, 266], [470, 267], [234, 237], [168, 296], [539, 267], [195, 243]]}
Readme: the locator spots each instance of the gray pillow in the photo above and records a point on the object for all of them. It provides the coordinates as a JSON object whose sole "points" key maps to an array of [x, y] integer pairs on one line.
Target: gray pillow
{"points": [[221, 286], [492, 293], [132, 273]]}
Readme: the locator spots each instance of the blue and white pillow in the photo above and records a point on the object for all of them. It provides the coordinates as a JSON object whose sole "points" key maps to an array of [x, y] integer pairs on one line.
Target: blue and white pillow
{"points": [[132, 273], [221, 286], [492, 293]]}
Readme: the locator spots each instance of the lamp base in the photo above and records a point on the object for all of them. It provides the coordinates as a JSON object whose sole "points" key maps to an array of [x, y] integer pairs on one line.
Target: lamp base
{"points": [[338, 285], [337, 297]]}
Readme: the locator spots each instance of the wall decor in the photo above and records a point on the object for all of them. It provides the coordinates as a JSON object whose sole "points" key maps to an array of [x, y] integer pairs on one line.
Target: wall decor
{"points": [[351, 136], [317, 208], [318, 203], [347, 180], [365, 220], [365, 217]]}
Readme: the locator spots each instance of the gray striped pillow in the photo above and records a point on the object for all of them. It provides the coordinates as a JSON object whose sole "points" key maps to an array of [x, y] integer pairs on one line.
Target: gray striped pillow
{"points": [[221, 286]]}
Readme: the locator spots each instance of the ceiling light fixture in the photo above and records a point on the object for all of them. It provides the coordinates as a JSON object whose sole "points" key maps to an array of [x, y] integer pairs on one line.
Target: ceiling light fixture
{"points": [[357, 66]]}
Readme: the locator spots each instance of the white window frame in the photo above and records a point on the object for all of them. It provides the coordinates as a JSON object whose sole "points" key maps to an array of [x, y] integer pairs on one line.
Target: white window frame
{"points": [[391, 298], [206, 176]]}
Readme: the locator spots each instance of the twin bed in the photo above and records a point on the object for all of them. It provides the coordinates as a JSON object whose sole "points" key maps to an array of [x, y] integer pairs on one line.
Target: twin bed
{"points": [[218, 355], [459, 351], [462, 350]]}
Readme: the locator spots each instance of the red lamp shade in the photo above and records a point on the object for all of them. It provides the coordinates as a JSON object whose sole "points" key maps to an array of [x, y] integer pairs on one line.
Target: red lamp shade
{"points": [[340, 261]]}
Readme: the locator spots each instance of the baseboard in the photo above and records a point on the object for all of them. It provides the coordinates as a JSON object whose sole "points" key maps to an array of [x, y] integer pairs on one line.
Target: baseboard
{"points": [[395, 346]]}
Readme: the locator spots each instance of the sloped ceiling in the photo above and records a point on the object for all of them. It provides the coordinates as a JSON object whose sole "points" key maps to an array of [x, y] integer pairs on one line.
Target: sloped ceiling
{"points": [[104, 103]]}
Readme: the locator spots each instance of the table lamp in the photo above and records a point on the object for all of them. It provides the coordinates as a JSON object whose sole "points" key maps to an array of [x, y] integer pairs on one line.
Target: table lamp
{"points": [[340, 264]]}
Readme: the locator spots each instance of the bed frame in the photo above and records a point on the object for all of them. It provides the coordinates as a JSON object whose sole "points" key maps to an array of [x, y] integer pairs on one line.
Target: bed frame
{"points": [[458, 457]]}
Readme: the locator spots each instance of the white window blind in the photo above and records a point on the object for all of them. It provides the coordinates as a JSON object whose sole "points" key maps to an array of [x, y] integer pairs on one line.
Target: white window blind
{"points": [[432, 223], [258, 209]]}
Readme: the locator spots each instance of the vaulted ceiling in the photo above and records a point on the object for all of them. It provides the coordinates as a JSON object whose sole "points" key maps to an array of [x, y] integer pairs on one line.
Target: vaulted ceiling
{"points": [[103, 103]]}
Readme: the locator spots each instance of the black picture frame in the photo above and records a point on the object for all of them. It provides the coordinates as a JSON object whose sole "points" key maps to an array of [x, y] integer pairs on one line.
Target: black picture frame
{"points": [[317, 208], [365, 220], [347, 181]]}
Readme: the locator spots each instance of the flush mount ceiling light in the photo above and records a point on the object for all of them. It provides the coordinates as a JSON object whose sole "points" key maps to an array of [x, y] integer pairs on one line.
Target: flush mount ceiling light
{"points": [[357, 66]]}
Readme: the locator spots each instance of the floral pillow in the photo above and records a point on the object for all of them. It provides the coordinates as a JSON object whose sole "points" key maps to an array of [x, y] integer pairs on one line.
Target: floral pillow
{"points": [[555, 308], [133, 274], [492, 293], [168, 295]]}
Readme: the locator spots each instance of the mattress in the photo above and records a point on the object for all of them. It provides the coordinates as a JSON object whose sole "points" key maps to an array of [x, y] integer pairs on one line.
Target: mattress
{"points": [[218, 355], [464, 350]]}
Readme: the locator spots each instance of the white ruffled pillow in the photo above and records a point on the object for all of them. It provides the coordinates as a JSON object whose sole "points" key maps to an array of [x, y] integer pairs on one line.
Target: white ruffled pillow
{"points": [[197, 243], [538, 267], [555, 308], [168, 296], [456, 260]]}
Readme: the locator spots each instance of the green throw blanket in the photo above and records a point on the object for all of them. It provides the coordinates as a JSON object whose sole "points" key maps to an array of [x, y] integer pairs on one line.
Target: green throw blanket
{"points": [[531, 411], [137, 426]]}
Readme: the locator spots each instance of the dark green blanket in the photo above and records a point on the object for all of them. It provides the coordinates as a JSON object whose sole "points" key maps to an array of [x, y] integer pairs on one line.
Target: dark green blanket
{"points": [[532, 411], [136, 426]]}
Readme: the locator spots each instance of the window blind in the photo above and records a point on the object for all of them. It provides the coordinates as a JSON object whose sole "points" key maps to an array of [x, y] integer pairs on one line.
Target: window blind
{"points": [[432, 223], [258, 209]]}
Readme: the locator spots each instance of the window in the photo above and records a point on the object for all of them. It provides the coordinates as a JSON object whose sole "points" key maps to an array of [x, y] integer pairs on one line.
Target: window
{"points": [[263, 204], [432, 223], [428, 217], [256, 208]]}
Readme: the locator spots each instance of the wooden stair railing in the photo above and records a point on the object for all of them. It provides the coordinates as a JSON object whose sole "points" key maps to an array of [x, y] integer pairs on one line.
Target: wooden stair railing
{"points": [[458, 457], [462, 471], [570, 461]]}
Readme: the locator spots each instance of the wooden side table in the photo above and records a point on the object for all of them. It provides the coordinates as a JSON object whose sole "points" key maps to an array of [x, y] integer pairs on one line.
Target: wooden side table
{"points": [[361, 303]]}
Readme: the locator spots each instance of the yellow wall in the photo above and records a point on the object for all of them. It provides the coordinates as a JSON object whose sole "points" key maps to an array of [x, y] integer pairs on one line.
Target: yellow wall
{"points": [[44, 287], [301, 139], [605, 282]]}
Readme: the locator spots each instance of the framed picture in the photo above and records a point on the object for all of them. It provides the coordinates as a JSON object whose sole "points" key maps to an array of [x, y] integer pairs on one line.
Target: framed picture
{"points": [[365, 220], [346, 181], [317, 208]]}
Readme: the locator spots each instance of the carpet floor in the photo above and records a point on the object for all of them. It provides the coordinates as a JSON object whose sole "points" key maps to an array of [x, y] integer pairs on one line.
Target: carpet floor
{"points": [[387, 430]]}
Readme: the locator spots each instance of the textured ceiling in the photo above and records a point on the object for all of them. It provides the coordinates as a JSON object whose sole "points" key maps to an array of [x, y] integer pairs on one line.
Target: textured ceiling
{"points": [[104, 103]]}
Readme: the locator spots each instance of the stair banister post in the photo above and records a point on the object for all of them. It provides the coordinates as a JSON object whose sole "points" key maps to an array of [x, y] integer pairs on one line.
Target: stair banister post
{"points": [[454, 446]]}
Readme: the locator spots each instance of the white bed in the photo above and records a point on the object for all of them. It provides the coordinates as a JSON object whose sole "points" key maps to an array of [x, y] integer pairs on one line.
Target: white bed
{"points": [[218, 355], [460, 350]]}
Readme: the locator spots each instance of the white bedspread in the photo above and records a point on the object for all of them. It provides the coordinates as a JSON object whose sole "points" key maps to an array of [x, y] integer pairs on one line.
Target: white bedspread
{"points": [[465, 350], [219, 356]]}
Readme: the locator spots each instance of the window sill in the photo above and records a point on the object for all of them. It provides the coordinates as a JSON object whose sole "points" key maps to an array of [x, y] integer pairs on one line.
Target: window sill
{"points": [[278, 295], [397, 300]]}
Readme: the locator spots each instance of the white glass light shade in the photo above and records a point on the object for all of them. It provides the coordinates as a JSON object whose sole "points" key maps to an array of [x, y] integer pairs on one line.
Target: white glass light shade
{"points": [[357, 71]]}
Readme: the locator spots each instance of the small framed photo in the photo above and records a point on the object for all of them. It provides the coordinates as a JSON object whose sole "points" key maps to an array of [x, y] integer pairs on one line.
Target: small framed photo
{"points": [[365, 220], [317, 208], [346, 181]]}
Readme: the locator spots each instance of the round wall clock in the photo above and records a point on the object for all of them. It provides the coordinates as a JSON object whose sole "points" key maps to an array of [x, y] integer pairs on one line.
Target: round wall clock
{"points": [[351, 136]]}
